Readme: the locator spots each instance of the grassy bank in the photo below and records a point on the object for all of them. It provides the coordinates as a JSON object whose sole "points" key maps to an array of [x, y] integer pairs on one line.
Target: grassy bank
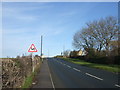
{"points": [[111, 68], [29, 80]]}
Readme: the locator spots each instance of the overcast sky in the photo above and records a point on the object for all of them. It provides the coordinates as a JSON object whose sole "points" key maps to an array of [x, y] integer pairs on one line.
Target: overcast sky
{"points": [[23, 24]]}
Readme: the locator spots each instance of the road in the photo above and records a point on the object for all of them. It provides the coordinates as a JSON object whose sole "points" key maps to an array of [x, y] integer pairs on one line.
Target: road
{"points": [[68, 75]]}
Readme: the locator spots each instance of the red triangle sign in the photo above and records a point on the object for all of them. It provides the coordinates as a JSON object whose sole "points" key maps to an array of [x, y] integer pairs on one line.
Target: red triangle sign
{"points": [[32, 48]]}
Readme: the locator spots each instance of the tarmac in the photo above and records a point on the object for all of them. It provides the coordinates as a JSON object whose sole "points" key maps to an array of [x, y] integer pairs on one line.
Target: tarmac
{"points": [[43, 78]]}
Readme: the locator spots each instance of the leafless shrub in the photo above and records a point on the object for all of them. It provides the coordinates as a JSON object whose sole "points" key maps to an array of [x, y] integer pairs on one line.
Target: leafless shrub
{"points": [[15, 70]]}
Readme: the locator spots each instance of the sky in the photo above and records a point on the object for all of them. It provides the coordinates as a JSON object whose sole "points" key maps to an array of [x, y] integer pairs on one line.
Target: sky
{"points": [[23, 23], [60, 0]]}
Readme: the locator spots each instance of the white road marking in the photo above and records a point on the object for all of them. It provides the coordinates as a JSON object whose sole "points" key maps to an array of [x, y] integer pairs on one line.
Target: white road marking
{"points": [[68, 66], [52, 82], [57, 61], [94, 76], [117, 85], [76, 69], [51, 78], [61, 62], [64, 64]]}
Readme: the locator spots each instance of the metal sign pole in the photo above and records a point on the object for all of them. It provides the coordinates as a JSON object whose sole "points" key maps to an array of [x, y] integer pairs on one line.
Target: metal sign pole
{"points": [[32, 49], [41, 48], [32, 62]]}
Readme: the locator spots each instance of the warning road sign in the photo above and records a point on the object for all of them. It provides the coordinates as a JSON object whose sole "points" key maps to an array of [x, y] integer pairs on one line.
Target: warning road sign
{"points": [[32, 48]]}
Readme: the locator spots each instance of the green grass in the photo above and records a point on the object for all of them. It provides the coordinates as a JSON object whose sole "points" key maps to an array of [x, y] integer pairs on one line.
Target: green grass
{"points": [[28, 80], [111, 68]]}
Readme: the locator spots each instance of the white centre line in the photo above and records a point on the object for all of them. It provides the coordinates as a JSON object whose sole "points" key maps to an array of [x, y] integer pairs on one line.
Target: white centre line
{"points": [[76, 69], [68, 66], [94, 76], [64, 64], [117, 85], [61, 62]]}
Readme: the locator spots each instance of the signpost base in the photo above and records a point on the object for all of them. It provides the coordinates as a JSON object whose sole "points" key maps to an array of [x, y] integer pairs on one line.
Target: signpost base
{"points": [[32, 63]]}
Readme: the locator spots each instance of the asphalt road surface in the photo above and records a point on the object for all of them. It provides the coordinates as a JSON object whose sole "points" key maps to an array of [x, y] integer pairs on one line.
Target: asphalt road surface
{"points": [[68, 75]]}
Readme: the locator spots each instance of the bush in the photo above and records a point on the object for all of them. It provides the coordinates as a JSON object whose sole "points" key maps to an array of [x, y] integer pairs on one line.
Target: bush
{"points": [[100, 59], [16, 70], [104, 60], [117, 60]]}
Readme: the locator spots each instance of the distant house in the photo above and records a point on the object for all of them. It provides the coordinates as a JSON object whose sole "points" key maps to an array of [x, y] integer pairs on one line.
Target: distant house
{"points": [[77, 53], [81, 53]]}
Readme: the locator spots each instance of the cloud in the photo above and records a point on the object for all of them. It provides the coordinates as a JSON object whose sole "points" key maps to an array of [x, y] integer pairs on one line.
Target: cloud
{"points": [[15, 31], [24, 23], [22, 11], [17, 14]]}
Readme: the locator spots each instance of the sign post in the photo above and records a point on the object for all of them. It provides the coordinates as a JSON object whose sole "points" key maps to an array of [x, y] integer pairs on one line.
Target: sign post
{"points": [[32, 49], [33, 69]]}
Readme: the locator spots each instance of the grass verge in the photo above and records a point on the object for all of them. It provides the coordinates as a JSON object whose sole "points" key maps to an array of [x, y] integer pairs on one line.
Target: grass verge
{"points": [[28, 81], [111, 68]]}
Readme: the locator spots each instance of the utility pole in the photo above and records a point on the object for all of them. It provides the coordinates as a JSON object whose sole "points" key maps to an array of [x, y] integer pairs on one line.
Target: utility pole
{"points": [[48, 52], [63, 50], [41, 45], [41, 48]]}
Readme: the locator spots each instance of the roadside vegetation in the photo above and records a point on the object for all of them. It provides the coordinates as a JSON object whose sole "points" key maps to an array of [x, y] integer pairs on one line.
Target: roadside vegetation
{"points": [[29, 80], [111, 68], [96, 45], [18, 72]]}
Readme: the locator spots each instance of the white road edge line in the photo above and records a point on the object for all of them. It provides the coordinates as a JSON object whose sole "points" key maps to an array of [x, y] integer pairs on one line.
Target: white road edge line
{"points": [[76, 69], [94, 76], [117, 85], [51, 78]]}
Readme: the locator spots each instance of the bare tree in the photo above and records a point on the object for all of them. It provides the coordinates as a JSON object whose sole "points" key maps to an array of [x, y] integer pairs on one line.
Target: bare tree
{"points": [[97, 34]]}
